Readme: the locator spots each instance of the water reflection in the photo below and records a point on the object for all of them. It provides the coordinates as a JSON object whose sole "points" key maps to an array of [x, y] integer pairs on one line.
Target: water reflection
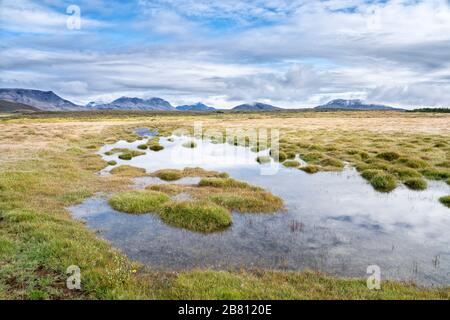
{"points": [[335, 222]]}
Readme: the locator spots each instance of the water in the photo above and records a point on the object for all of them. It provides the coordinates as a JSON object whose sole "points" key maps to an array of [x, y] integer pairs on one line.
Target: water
{"points": [[334, 222]]}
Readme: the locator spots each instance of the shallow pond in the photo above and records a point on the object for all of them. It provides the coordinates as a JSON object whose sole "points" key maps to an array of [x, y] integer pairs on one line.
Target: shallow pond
{"points": [[334, 222]]}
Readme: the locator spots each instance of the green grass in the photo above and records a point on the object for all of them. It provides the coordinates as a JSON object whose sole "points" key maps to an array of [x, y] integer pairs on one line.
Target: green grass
{"points": [[112, 162], [416, 184], [130, 154], [389, 155], [435, 174], [174, 174], [383, 182], [247, 202], [445, 201], [128, 171], [156, 147], [368, 174], [271, 285], [142, 147], [201, 217], [169, 175], [138, 201], [311, 169], [291, 163], [223, 183]]}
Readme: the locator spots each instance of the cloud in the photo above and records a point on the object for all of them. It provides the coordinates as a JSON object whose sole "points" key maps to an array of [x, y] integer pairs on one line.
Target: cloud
{"points": [[30, 17], [289, 53]]}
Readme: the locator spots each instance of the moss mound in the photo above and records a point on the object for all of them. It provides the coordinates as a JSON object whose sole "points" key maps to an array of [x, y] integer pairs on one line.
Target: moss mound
{"points": [[128, 171], [130, 154], [224, 183], [291, 163], [434, 174], [252, 202], [169, 175], [143, 146], [310, 169], [138, 201], [200, 217], [174, 174], [445, 201], [368, 174], [331, 162], [416, 184], [156, 147], [388, 155], [383, 182]]}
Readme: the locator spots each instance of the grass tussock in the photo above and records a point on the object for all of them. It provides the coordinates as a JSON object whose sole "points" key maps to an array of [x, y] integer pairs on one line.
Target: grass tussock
{"points": [[383, 182], [196, 216], [128, 171], [311, 169], [225, 183], [389, 155], [130, 154], [416, 184], [291, 164], [445, 201], [228, 193], [173, 174], [138, 201]]}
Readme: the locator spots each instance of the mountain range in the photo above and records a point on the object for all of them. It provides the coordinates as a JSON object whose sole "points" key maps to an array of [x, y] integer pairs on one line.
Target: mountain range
{"points": [[354, 104], [126, 103], [256, 107], [42, 100], [36, 100], [195, 107]]}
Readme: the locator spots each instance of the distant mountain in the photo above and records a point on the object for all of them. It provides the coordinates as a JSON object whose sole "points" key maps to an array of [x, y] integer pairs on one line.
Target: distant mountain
{"points": [[43, 100], [256, 107], [126, 103], [195, 107], [354, 104], [9, 106]]}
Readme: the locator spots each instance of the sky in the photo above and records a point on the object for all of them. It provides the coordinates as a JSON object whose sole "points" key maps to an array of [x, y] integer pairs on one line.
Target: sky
{"points": [[289, 53]]}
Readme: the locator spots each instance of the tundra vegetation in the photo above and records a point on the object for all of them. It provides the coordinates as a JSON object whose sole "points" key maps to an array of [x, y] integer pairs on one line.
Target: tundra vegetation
{"points": [[48, 161]]}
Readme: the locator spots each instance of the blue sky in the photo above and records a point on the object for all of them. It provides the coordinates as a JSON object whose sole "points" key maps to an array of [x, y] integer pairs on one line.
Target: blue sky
{"points": [[290, 53]]}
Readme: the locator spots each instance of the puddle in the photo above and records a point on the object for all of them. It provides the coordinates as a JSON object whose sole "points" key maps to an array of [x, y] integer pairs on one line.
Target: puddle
{"points": [[335, 222]]}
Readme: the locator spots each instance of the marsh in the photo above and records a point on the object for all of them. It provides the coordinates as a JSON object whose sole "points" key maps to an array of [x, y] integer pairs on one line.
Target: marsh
{"points": [[347, 225]]}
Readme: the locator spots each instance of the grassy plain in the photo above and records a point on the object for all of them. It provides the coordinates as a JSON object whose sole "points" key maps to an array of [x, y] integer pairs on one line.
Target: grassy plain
{"points": [[48, 162]]}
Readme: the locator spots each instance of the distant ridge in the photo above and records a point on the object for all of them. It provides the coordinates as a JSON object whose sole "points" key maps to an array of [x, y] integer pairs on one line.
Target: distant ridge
{"points": [[9, 106], [126, 103], [43, 100], [256, 107], [195, 107], [354, 104]]}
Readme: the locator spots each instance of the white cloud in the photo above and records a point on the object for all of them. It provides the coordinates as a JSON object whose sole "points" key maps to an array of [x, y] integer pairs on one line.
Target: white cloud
{"points": [[289, 53]]}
